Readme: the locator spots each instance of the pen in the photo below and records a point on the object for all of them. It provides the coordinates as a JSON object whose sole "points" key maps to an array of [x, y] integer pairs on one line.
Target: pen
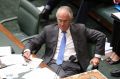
{"points": [[4, 66], [26, 59]]}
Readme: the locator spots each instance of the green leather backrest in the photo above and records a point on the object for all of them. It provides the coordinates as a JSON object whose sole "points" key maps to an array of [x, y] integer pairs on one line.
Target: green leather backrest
{"points": [[28, 17]]}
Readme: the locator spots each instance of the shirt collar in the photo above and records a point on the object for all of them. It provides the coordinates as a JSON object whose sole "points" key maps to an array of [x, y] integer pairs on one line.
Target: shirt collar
{"points": [[67, 31]]}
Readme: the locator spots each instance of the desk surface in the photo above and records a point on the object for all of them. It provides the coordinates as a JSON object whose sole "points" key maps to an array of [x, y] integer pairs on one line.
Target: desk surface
{"points": [[8, 39], [10, 36]]}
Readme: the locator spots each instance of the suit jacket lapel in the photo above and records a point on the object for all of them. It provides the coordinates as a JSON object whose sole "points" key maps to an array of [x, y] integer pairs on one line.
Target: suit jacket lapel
{"points": [[74, 37]]}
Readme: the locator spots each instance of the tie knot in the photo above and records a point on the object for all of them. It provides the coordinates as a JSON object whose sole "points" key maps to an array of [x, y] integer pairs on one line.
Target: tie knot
{"points": [[64, 32], [64, 35]]}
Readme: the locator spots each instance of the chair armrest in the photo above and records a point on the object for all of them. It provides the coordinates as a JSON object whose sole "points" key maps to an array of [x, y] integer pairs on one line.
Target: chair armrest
{"points": [[29, 37], [89, 68], [8, 19]]}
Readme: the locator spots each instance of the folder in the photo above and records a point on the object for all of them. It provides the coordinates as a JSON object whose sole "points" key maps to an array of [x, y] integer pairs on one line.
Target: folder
{"points": [[117, 6]]}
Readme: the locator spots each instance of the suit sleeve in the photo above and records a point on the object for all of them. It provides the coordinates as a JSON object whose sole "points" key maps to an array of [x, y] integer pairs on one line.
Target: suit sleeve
{"points": [[99, 39], [35, 43]]}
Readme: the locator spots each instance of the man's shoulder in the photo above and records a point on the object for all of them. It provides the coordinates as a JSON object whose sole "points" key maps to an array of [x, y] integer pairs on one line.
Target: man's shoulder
{"points": [[78, 26], [50, 26]]}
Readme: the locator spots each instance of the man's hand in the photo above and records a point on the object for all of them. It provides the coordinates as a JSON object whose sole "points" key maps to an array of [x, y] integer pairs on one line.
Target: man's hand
{"points": [[116, 1], [95, 61], [26, 55]]}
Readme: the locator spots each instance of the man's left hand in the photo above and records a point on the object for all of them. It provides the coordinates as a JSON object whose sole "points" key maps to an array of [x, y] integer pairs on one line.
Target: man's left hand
{"points": [[95, 61]]}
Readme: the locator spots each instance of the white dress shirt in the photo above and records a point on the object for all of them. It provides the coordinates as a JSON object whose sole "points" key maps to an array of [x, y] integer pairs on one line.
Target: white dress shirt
{"points": [[69, 49]]}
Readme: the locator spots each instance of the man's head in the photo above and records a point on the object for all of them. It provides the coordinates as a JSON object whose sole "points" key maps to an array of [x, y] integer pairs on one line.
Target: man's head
{"points": [[64, 17]]}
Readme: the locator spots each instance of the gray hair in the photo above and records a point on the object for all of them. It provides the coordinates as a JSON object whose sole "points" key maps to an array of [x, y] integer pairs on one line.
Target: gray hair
{"points": [[67, 9]]}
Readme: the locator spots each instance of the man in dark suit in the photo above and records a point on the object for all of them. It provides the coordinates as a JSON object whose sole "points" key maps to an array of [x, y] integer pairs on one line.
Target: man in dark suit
{"points": [[76, 57]]}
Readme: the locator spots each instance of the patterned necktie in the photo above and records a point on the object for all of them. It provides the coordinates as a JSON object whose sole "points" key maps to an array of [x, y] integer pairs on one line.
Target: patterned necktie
{"points": [[61, 50]]}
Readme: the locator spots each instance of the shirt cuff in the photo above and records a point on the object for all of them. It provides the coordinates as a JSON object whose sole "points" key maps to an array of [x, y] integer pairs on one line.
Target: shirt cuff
{"points": [[26, 50], [97, 55]]}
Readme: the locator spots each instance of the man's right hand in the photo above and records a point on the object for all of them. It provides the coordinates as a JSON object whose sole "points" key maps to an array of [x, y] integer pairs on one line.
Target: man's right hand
{"points": [[26, 55]]}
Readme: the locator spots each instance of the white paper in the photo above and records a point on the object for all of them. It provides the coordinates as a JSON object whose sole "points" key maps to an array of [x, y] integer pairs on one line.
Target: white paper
{"points": [[5, 50], [35, 62], [40, 8], [116, 15], [14, 70], [2, 75], [12, 59], [41, 73], [17, 65], [108, 48]]}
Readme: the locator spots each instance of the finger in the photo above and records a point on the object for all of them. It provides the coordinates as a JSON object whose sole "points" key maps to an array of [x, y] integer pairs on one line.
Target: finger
{"points": [[26, 56]]}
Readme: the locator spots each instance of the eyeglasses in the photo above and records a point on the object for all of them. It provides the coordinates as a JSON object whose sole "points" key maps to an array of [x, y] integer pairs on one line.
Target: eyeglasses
{"points": [[63, 21]]}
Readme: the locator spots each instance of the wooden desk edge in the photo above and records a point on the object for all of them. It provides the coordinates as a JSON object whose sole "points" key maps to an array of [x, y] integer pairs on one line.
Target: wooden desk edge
{"points": [[11, 36], [15, 40]]}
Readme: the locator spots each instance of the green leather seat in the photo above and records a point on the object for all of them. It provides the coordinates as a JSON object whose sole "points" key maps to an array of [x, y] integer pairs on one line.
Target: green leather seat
{"points": [[27, 20], [102, 14]]}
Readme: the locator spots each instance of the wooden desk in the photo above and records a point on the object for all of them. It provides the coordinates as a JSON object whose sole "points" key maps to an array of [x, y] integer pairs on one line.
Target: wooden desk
{"points": [[11, 36], [8, 39], [7, 36], [94, 74]]}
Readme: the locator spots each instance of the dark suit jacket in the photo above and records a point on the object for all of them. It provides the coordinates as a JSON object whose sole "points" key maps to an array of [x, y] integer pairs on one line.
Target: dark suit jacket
{"points": [[80, 35]]}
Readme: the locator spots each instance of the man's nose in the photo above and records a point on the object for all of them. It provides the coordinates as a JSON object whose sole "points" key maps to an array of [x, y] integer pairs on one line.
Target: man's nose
{"points": [[62, 23]]}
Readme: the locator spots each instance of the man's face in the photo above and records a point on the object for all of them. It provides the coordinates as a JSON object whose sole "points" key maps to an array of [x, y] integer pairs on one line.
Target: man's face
{"points": [[63, 20]]}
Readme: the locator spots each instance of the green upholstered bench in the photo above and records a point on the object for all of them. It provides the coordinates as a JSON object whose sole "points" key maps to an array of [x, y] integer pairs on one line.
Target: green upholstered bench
{"points": [[26, 21], [102, 14]]}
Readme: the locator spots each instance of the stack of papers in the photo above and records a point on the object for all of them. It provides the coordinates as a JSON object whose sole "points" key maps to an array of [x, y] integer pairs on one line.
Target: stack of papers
{"points": [[12, 59], [116, 15], [17, 67], [5, 50], [41, 73]]}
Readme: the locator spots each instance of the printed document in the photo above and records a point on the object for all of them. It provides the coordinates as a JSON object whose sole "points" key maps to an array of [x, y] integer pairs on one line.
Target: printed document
{"points": [[5, 50]]}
